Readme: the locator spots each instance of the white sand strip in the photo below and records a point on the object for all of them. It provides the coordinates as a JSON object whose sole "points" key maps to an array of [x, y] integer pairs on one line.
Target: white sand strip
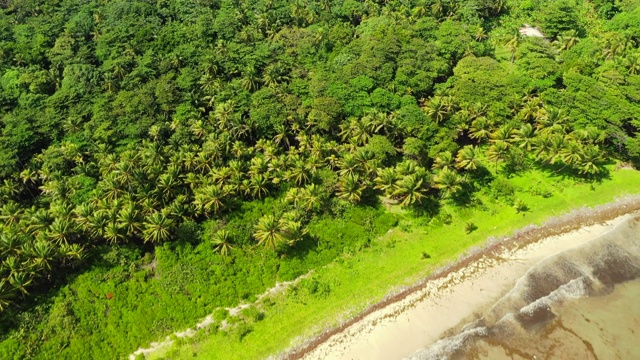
{"points": [[404, 327]]}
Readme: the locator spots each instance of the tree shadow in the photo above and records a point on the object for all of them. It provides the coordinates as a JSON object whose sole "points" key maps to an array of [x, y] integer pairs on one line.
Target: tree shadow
{"points": [[429, 207], [566, 172]]}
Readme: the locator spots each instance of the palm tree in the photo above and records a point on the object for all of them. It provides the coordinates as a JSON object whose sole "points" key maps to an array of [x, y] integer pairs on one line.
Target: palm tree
{"points": [[41, 254], [293, 231], [221, 241], [312, 197], [258, 186], [571, 153], [556, 148], [524, 136], [531, 108], [20, 280], [39, 220], [113, 233], [223, 114], [60, 231], [349, 165], [542, 146], [591, 159], [567, 40], [503, 133], [98, 223], [436, 109], [157, 227], [552, 120], [497, 152], [356, 131], [299, 172], [6, 294], [480, 129], [444, 160], [73, 251], [448, 181], [632, 63], [268, 232], [294, 196], [410, 190], [10, 243], [350, 189], [209, 199], [29, 176], [128, 220], [468, 158], [589, 135], [10, 213], [512, 45], [386, 180]]}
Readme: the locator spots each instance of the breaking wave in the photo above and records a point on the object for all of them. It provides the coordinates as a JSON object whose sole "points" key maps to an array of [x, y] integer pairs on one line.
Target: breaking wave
{"points": [[539, 316]]}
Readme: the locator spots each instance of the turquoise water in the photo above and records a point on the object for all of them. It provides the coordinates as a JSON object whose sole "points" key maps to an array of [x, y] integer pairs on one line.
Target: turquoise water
{"points": [[579, 304]]}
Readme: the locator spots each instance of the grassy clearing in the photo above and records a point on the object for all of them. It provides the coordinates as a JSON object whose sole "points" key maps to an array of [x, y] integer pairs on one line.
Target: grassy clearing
{"points": [[396, 259]]}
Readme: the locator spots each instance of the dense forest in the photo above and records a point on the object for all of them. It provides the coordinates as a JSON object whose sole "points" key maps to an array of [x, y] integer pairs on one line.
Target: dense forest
{"points": [[253, 127]]}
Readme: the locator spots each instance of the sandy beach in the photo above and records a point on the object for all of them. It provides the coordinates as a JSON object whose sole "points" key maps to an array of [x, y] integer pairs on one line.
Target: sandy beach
{"points": [[441, 305]]}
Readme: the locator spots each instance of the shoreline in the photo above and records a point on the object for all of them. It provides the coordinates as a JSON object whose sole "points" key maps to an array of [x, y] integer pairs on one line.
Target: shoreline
{"points": [[493, 248]]}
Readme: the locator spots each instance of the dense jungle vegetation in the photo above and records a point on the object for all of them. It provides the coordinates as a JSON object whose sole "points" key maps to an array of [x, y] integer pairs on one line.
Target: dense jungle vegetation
{"points": [[194, 152]]}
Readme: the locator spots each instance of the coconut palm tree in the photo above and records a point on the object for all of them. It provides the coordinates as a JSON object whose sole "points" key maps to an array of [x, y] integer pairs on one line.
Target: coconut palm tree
{"points": [[157, 227], [497, 152], [268, 232], [299, 172], [632, 63], [480, 129], [222, 242], [349, 165], [98, 223], [567, 40], [443, 160], [350, 188], [524, 136], [571, 153], [10, 243], [386, 180], [128, 219], [39, 220], [60, 231], [356, 131], [436, 109], [542, 146], [113, 233], [551, 120], [591, 159], [294, 196], [41, 254], [258, 186], [10, 213], [312, 197], [209, 199], [468, 158], [6, 294], [448, 181], [512, 45], [20, 280], [502, 134], [293, 231], [556, 148], [410, 189]]}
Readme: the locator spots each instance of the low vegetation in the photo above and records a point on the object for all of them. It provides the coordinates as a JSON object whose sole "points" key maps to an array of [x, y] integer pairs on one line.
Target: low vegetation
{"points": [[162, 159]]}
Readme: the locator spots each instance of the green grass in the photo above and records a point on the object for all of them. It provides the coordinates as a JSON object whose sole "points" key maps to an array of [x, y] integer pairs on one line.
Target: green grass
{"points": [[394, 260]]}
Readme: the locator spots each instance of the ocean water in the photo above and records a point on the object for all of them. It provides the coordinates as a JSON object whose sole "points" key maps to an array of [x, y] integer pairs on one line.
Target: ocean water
{"points": [[580, 304]]}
